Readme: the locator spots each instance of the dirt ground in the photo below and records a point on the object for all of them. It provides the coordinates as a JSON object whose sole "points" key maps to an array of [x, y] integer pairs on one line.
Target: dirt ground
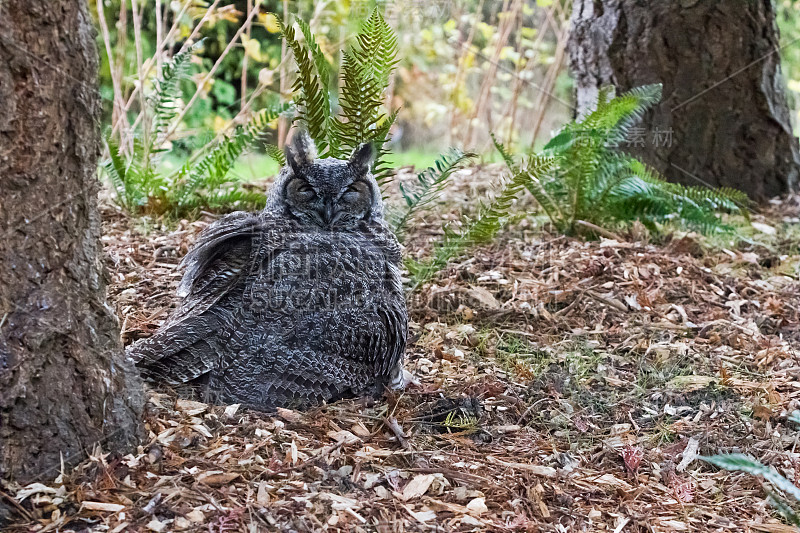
{"points": [[560, 385]]}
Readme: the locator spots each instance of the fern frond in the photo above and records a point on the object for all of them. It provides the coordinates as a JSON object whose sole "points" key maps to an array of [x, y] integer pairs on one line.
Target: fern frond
{"points": [[382, 171], [544, 195], [115, 169], [311, 85], [275, 153], [377, 47], [484, 227], [504, 153], [164, 100], [429, 185], [365, 73], [213, 167]]}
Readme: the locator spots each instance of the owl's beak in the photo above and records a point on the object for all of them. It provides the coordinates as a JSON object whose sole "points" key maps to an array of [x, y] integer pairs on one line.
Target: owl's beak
{"points": [[328, 213]]}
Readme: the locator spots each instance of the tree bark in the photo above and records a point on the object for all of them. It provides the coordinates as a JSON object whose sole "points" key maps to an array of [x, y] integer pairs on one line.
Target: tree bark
{"points": [[64, 382], [723, 120]]}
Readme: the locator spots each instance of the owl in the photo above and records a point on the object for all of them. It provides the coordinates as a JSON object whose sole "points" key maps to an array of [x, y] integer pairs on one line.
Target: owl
{"points": [[297, 305]]}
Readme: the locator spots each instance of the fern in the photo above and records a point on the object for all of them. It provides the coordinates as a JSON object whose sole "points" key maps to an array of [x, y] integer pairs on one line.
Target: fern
{"points": [[482, 228], [593, 182], [742, 463], [365, 72], [428, 186]]}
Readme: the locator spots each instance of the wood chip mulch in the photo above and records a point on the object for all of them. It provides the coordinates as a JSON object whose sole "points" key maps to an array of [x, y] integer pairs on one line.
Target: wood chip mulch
{"points": [[560, 385]]}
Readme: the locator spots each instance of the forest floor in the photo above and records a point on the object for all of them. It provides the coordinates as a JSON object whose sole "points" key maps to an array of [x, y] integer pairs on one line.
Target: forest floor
{"points": [[561, 385]]}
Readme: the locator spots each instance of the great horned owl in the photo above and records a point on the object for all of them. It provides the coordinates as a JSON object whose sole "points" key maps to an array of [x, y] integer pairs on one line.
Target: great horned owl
{"points": [[298, 304]]}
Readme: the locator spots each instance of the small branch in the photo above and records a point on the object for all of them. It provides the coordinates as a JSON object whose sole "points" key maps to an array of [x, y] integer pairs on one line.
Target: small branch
{"points": [[159, 37], [283, 81], [600, 231], [119, 106], [213, 70], [244, 65], [611, 302], [391, 423]]}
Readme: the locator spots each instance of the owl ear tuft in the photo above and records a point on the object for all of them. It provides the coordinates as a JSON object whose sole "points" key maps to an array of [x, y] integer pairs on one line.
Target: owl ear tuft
{"points": [[300, 151], [362, 158]]}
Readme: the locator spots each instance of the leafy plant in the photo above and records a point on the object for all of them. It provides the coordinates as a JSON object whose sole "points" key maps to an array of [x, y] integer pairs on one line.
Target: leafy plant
{"points": [[203, 182], [594, 186], [742, 463], [483, 227], [427, 187], [365, 73]]}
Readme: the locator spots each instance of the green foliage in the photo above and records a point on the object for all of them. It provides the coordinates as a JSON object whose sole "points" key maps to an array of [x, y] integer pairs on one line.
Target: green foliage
{"points": [[742, 463], [429, 185], [203, 182], [365, 73], [483, 227], [595, 184]]}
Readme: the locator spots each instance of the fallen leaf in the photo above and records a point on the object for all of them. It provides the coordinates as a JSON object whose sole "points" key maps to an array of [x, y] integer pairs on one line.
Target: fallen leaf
{"points": [[190, 407], [289, 415], [262, 497], [477, 506], [689, 454], [156, 525], [421, 516], [417, 486], [216, 478]]}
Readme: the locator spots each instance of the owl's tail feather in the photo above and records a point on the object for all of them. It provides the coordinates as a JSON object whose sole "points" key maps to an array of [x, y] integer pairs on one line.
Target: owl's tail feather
{"points": [[178, 353]]}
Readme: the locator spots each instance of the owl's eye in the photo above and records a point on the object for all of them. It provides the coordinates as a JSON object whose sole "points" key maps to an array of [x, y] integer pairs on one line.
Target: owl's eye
{"points": [[300, 192], [355, 190]]}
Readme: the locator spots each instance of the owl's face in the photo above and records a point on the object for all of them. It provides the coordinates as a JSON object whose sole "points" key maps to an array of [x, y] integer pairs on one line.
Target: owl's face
{"points": [[329, 193]]}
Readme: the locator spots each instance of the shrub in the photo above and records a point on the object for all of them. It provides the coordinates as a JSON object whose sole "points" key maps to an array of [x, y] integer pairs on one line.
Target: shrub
{"points": [[594, 185]]}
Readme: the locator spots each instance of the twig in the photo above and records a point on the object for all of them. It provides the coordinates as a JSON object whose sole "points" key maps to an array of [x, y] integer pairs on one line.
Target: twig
{"points": [[391, 423], [597, 229], [16, 505], [213, 70], [537, 470], [616, 304], [119, 106]]}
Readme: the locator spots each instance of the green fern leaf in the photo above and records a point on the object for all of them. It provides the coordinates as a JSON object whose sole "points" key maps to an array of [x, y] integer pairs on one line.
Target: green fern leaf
{"points": [[275, 153], [429, 185], [211, 170]]}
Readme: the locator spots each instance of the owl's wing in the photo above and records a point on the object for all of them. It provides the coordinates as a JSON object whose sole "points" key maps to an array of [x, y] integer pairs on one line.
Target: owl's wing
{"points": [[185, 347], [217, 262]]}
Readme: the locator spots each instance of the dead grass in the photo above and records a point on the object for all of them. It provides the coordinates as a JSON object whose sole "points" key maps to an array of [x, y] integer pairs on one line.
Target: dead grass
{"points": [[562, 386]]}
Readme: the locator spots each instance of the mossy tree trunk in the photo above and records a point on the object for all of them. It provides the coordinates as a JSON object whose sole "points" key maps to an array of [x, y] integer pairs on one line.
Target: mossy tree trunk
{"points": [[724, 118], [64, 382]]}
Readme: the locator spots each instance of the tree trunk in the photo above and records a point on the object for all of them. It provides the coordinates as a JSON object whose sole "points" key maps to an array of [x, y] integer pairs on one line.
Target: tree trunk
{"points": [[724, 119], [64, 382]]}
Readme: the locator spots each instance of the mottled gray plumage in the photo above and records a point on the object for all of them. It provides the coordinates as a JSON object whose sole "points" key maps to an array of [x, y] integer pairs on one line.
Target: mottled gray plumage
{"points": [[298, 304]]}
